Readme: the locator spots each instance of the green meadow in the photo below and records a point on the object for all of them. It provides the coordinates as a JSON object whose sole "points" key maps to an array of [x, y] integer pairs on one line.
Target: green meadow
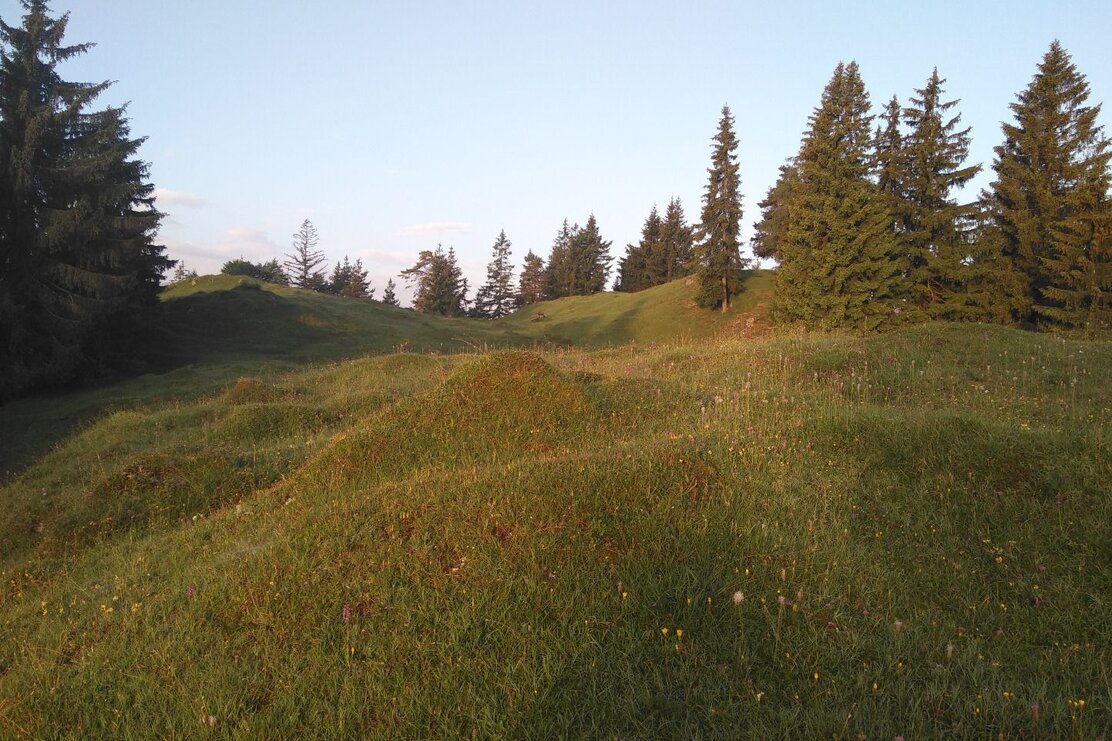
{"points": [[609, 516]]}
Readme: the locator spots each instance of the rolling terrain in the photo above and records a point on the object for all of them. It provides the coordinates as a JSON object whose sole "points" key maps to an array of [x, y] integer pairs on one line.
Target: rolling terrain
{"points": [[605, 516]]}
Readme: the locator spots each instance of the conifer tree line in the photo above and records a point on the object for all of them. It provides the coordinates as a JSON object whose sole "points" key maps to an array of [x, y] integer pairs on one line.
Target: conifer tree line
{"points": [[869, 233]]}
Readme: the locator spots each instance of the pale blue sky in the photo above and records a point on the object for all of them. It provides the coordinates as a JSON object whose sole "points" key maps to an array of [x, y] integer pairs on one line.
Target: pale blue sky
{"points": [[397, 125]]}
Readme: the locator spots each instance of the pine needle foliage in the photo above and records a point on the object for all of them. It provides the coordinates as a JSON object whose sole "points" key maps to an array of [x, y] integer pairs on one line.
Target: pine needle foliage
{"points": [[718, 254], [533, 282], [496, 298], [840, 259], [79, 272], [1050, 201], [438, 283], [302, 263]]}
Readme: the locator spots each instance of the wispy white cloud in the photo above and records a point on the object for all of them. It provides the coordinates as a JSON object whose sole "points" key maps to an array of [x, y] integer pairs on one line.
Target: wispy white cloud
{"points": [[249, 242], [438, 227], [167, 197]]}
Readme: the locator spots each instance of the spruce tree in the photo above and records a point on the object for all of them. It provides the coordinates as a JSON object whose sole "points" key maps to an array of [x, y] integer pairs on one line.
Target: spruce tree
{"points": [[676, 242], [349, 280], [560, 269], [889, 160], [718, 254], [590, 258], [840, 262], [496, 297], [1049, 202], [269, 271], [389, 295], [770, 231], [79, 272], [644, 264], [532, 284], [438, 283], [935, 229], [301, 265]]}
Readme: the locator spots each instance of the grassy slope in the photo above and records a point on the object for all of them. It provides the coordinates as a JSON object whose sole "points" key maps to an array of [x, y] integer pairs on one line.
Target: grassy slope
{"points": [[219, 328], [919, 523]]}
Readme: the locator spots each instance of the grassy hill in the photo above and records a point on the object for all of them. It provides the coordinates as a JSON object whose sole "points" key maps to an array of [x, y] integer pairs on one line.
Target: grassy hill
{"points": [[218, 328], [629, 526]]}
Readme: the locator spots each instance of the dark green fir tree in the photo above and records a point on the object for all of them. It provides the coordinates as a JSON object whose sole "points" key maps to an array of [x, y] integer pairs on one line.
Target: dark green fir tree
{"points": [[438, 283], [769, 233], [718, 254], [677, 243], [643, 265], [936, 230], [840, 261], [302, 263], [533, 283], [389, 294], [79, 271], [1049, 203], [496, 298]]}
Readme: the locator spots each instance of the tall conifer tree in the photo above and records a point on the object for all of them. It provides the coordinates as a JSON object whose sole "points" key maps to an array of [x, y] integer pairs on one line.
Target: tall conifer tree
{"points": [[935, 229], [389, 294], [1050, 203], [718, 254], [840, 263], [438, 283], [301, 264], [770, 232], [496, 297], [676, 242], [643, 264], [533, 282], [79, 271]]}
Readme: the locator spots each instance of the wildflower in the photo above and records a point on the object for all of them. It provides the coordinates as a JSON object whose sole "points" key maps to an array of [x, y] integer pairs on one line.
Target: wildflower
{"points": [[625, 595], [815, 676], [949, 650], [679, 632], [664, 631], [710, 601], [782, 600], [620, 586], [738, 598], [191, 592], [898, 626], [346, 612]]}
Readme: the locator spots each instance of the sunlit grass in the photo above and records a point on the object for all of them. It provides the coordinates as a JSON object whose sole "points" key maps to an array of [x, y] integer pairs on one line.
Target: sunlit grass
{"points": [[797, 536]]}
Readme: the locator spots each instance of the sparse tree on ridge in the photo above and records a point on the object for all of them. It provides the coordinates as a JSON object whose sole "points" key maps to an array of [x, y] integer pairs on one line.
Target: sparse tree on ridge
{"points": [[718, 253], [301, 265], [1049, 204], [496, 297], [79, 270], [389, 295], [533, 282]]}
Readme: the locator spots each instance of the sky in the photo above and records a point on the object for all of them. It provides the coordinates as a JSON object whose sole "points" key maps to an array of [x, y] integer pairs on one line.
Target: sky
{"points": [[395, 126]]}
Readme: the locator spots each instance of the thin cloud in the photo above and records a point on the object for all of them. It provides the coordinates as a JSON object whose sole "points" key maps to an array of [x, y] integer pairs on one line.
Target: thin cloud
{"points": [[248, 242], [167, 197], [438, 227]]}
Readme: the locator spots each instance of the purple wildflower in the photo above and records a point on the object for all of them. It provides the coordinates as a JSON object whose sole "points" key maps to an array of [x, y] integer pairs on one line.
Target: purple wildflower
{"points": [[346, 613]]}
